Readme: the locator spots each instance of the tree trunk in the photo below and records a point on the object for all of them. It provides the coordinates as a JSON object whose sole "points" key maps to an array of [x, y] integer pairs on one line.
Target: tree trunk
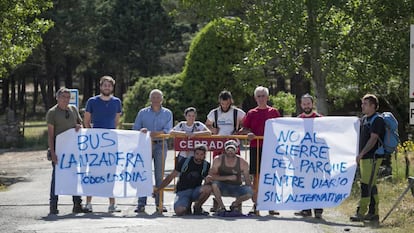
{"points": [[35, 92], [49, 91], [318, 76], [22, 92], [13, 92], [87, 86], [5, 94], [299, 85], [68, 72]]}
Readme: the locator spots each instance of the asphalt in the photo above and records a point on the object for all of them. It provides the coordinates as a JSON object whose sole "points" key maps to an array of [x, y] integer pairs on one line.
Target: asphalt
{"points": [[24, 209]]}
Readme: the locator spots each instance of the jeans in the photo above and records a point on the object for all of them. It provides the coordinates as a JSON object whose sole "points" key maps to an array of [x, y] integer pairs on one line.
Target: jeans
{"points": [[53, 197], [159, 165]]}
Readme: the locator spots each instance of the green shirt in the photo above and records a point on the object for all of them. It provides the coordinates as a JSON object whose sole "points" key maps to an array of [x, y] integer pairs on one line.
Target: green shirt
{"points": [[63, 120]]}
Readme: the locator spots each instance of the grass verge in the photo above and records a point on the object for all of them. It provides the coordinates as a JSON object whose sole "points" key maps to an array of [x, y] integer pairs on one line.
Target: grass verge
{"points": [[401, 219]]}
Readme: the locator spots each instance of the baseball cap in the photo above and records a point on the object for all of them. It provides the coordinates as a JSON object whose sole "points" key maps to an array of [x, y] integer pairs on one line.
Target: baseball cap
{"points": [[230, 144]]}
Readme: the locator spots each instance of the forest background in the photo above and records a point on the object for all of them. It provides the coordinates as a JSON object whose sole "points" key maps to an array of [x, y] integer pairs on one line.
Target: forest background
{"points": [[337, 50]]}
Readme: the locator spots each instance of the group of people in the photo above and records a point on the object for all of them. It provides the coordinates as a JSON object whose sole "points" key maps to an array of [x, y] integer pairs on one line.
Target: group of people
{"points": [[198, 179]]}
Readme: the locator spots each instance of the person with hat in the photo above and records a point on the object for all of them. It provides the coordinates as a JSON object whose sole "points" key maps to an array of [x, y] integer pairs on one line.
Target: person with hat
{"points": [[226, 177]]}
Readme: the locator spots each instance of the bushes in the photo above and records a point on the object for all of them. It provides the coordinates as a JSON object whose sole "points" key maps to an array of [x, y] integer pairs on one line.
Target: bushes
{"points": [[138, 95]]}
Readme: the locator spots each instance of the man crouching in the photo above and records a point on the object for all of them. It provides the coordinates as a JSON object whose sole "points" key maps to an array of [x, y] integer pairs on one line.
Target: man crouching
{"points": [[226, 175], [192, 171]]}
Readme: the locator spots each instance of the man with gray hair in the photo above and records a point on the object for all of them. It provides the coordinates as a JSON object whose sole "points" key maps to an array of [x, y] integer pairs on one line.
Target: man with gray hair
{"points": [[254, 125], [157, 120]]}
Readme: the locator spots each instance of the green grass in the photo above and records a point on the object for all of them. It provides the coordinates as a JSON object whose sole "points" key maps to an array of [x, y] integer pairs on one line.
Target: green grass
{"points": [[35, 137], [401, 218]]}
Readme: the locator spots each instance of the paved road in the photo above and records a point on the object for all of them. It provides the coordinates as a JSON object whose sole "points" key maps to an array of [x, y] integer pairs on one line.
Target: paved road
{"points": [[24, 208]]}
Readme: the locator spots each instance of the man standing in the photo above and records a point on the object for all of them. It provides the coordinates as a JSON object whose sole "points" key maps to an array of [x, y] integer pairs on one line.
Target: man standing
{"points": [[372, 131], [192, 170], [224, 120], [306, 104], [226, 175], [254, 125], [103, 111], [158, 120], [60, 118]]}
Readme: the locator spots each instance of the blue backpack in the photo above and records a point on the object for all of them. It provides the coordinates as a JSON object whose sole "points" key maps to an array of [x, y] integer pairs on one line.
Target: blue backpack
{"points": [[391, 137]]}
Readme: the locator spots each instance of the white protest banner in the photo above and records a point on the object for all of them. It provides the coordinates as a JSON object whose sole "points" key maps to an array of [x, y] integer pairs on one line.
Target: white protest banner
{"points": [[103, 162], [307, 163]]}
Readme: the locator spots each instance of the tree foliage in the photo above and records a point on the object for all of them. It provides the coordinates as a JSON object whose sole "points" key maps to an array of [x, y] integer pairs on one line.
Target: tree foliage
{"points": [[137, 96], [211, 61], [135, 35], [21, 29], [346, 47]]}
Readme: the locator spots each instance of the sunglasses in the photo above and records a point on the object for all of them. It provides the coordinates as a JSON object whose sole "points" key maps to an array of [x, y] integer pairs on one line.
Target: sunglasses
{"points": [[67, 114]]}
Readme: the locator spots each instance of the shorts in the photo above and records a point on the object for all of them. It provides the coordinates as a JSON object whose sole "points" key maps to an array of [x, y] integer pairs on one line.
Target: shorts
{"points": [[253, 160], [184, 198], [233, 190]]}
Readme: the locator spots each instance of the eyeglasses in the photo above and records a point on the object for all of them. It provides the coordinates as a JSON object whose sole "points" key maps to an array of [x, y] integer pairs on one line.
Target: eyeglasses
{"points": [[260, 96], [67, 114]]}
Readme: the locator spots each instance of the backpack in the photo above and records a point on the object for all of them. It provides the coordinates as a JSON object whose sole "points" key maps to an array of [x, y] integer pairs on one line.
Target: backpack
{"points": [[391, 137], [196, 124], [234, 118], [185, 166]]}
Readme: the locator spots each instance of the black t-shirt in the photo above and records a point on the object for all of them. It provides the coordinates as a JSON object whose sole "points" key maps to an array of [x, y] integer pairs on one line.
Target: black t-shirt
{"points": [[192, 177], [377, 127]]}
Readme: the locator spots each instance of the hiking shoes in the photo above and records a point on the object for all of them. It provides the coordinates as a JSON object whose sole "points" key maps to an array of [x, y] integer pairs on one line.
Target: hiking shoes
{"points": [[164, 209], [357, 218], [113, 209], [304, 213], [77, 208], [53, 210], [371, 217], [199, 211], [140, 209], [273, 212], [88, 208]]}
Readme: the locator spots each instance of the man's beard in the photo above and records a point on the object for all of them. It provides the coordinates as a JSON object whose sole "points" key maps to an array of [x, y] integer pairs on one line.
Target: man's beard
{"points": [[307, 111], [106, 93]]}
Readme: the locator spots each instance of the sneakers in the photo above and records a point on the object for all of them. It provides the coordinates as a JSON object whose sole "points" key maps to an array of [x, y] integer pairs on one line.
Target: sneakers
{"points": [[273, 212], [164, 209], [357, 218], [88, 208], [140, 209], [199, 211], [53, 210], [304, 213], [220, 211], [77, 208], [113, 208], [253, 211], [371, 217], [318, 215]]}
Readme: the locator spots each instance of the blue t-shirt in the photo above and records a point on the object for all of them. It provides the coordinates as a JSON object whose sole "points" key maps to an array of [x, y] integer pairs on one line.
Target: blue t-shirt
{"points": [[103, 113]]}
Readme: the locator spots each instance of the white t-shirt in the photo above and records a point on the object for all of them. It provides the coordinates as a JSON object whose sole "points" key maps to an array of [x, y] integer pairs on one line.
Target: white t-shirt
{"points": [[196, 127], [225, 121]]}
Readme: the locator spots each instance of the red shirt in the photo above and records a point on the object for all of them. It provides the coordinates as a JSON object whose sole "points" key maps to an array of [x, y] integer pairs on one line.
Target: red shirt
{"points": [[255, 120], [313, 115]]}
